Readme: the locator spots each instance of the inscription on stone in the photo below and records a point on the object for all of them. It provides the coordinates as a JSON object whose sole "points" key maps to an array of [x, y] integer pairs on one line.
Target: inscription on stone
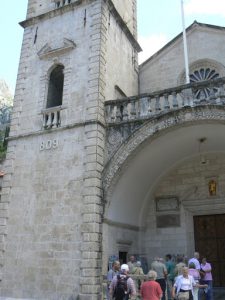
{"points": [[168, 221], [49, 144], [167, 203]]}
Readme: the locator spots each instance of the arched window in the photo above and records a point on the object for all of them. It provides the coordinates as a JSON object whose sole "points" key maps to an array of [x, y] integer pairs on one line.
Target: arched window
{"points": [[55, 87]]}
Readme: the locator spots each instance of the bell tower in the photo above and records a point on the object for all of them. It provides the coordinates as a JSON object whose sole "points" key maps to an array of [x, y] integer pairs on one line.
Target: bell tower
{"points": [[75, 55]]}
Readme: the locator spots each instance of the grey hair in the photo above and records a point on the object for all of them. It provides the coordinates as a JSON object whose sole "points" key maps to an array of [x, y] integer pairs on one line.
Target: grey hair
{"points": [[138, 263], [152, 275]]}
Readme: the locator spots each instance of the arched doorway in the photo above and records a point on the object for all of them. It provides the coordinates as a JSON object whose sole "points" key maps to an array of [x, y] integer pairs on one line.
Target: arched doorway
{"points": [[160, 187]]}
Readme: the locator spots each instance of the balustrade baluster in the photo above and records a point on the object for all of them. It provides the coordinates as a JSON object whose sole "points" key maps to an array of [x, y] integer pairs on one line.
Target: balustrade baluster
{"points": [[221, 93], [45, 119], [112, 112], [157, 104], [108, 110], [133, 109], [202, 96], [58, 114], [118, 113], [188, 97], [212, 95], [175, 102], [149, 106], [54, 119], [166, 101], [49, 122], [125, 112]]}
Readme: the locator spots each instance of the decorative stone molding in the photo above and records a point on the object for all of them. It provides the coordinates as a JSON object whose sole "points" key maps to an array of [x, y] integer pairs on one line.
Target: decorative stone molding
{"points": [[158, 125], [125, 116], [49, 51]]}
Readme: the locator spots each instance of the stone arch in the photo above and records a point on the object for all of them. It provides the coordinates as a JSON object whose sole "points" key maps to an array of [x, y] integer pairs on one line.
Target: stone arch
{"points": [[133, 175], [151, 130]]}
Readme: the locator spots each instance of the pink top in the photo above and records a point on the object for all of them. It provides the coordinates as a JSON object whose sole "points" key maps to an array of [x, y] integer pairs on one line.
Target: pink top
{"points": [[208, 275], [194, 273], [151, 290]]}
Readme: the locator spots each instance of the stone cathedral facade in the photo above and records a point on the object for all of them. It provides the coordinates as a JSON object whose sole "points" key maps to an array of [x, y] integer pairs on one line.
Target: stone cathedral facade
{"points": [[107, 158]]}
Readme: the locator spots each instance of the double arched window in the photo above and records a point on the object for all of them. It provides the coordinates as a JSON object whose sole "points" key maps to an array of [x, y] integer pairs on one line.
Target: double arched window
{"points": [[55, 87]]}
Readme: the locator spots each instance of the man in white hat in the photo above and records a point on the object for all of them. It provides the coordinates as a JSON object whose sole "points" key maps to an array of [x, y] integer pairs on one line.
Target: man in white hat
{"points": [[122, 286]]}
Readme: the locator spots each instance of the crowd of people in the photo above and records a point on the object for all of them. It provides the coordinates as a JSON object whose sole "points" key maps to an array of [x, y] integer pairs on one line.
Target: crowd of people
{"points": [[169, 279]]}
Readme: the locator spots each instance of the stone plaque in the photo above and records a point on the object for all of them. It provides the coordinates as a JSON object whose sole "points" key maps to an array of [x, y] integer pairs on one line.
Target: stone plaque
{"points": [[166, 221], [167, 204]]}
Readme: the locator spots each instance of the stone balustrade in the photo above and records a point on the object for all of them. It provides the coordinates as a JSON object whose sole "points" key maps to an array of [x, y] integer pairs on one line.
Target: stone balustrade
{"points": [[60, 3], [149, 105], [52, 117]]}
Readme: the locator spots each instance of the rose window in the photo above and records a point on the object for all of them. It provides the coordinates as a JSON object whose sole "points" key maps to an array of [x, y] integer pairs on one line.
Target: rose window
{"points": [[201, 75]]}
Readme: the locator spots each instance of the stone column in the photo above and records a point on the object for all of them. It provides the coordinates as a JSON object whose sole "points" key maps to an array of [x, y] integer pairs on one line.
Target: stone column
{"points": [[94, 153]]}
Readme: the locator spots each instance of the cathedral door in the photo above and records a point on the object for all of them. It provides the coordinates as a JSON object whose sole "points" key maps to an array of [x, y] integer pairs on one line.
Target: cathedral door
{"points": [[210, 243]]}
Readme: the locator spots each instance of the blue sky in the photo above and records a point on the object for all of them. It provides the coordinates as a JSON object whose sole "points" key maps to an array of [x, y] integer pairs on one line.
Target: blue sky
{"points": [[158, 22]]}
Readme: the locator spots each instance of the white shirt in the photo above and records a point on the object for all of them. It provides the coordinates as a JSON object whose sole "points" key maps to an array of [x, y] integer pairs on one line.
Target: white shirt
{"points": [[186, 284], [196, 263]]}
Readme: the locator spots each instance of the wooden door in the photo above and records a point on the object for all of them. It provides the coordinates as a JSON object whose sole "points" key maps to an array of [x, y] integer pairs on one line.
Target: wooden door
{"points": [[210, 243]]}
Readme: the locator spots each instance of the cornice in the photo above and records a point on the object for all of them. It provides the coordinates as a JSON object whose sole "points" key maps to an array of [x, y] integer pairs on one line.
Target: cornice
{"points": [[59, 11], [50, 14]]}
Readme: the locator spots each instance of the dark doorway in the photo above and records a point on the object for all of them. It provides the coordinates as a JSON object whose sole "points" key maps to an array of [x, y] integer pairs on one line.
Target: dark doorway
{"points": [[122, 257], [210, 243]]}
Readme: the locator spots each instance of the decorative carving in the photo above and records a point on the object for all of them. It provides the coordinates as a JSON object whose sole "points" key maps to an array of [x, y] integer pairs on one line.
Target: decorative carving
{"points": [[156, 125], [56, 50], [117, 135]]}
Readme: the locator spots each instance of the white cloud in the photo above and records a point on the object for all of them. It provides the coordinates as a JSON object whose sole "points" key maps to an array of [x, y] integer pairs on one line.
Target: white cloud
{"points": [[150, 45], [206, 7]]}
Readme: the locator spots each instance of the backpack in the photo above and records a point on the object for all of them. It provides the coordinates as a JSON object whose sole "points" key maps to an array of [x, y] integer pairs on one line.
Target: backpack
{"points": [[121, 288]]}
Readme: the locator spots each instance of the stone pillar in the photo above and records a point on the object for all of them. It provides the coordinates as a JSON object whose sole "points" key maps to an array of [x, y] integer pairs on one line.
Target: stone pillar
{"points": [[94, 159]]}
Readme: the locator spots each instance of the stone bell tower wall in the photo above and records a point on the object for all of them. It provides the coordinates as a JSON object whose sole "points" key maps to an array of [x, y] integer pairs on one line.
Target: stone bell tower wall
{"points": [[51, 204]]}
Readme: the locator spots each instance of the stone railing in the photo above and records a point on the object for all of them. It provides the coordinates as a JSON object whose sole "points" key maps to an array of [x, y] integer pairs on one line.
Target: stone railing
{"points": [[149, 105], [52, 117]]}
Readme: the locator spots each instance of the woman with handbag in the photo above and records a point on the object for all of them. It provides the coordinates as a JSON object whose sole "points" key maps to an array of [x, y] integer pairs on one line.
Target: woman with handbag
{"points": [[195, 273], [183, 286]]}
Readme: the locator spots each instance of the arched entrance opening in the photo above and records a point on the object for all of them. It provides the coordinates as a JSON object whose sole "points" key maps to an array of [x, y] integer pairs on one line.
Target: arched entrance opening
{"points": [[159, 189]]}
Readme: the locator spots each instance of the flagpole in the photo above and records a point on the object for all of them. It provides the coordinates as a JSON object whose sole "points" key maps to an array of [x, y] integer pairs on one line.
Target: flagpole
{"points": [[185, 45]]}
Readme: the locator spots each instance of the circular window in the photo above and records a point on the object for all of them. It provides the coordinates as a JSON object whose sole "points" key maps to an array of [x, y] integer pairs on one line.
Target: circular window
{"points": [[201, 75]]}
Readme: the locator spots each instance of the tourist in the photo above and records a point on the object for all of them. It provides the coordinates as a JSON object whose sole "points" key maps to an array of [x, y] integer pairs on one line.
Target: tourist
{"points": [[207, 279], [151, 290], [111, 273], [138, 271], [183, 286], [195, 273], [131, 263], [195, 260], [128, 284], [170, 266], [161, 271], [179, 266]]}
